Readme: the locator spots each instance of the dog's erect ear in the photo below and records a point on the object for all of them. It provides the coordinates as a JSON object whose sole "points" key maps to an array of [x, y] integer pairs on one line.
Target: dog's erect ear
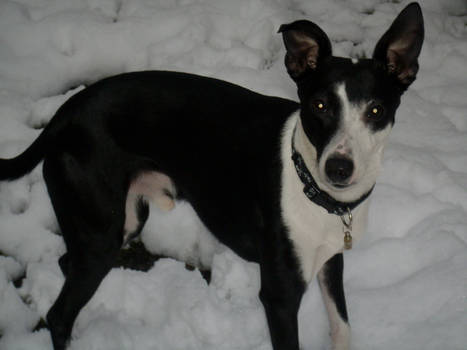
{"points": [[400, 46], [306, 45]]}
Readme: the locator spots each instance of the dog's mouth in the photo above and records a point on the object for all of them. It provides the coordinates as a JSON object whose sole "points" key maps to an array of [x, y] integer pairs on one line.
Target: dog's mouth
{"points": [[338, 186], [341, 186]]}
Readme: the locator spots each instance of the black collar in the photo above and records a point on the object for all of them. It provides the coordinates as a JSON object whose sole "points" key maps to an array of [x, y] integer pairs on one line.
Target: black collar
{"points": [[315, 194]]}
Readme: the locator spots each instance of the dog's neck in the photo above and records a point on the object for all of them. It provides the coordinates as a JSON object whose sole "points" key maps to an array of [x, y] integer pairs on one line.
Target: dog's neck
{"points": [[307, 171]]}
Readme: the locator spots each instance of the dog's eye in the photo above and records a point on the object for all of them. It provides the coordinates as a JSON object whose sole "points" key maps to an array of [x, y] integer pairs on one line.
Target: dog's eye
{"points": [[375, 112], [319, 106]]}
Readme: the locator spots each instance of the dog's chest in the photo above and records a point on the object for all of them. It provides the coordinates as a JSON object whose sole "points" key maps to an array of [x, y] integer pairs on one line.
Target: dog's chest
{"points": [[316, 235]]}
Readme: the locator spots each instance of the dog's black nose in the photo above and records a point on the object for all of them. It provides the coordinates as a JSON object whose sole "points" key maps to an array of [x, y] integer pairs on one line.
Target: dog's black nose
{"points": [[339, 170]]}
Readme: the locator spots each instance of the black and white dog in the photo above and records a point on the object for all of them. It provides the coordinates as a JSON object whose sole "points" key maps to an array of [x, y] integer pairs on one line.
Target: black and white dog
{"points": [[281, 183]]}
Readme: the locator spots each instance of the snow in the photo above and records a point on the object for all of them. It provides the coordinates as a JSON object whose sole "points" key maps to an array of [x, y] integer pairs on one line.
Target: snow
{"points": [[406, 280]]}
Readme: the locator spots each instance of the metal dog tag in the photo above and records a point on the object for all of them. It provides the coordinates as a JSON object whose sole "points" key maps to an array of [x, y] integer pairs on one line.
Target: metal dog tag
{"points": [[347, 222], [347, 240]]}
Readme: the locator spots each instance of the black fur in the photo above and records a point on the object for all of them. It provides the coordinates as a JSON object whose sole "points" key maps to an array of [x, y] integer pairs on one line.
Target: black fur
{"points": [[333, 271], [365, 80]]}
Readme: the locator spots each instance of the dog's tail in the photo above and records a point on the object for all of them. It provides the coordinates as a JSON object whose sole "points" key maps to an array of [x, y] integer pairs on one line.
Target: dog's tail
{"points": [[14, 168]]}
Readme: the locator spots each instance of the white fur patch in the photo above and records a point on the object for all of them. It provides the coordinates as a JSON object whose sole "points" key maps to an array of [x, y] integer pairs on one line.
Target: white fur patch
{"points": [[316, 235], [150, 185]]}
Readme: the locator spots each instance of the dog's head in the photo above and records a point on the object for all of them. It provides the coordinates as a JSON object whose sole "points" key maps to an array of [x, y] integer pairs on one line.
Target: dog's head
{"points": [[348, 105]]}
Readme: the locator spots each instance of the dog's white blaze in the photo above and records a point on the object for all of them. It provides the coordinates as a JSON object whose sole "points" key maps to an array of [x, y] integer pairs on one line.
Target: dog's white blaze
{"points": [[356, 140], [315, 234], [340, 330]]}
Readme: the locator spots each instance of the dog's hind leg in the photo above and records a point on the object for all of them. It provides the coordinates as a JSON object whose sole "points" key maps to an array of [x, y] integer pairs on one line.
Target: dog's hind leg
{"points": [[91, 214], [332, 290], [84, 276]]}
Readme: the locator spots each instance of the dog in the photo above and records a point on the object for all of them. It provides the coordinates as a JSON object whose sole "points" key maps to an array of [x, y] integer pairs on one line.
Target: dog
{"points": [[281, 183]]}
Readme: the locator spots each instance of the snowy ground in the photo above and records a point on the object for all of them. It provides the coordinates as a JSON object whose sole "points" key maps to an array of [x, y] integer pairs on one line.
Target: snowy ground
{"points": [[406, 281]]}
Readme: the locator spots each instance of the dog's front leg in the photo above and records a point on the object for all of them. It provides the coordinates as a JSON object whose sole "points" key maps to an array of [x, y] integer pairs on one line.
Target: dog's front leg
{"points": [[282, 288], [281, 313], [332, 290]]}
